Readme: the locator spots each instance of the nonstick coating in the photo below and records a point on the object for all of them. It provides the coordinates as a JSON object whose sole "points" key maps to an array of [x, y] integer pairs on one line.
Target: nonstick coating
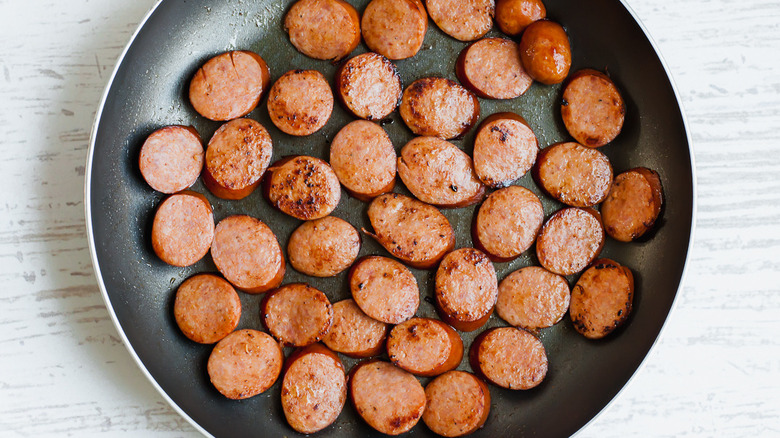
{"points": [[149, 91]]}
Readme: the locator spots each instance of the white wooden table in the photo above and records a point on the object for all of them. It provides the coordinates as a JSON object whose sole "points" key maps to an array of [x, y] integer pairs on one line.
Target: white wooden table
{"points": [[64, 372]]}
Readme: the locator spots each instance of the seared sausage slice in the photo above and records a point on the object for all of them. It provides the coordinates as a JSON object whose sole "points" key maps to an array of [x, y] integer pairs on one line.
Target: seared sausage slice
{"points": [[247, 253], [570, 239], [183, 228], [458, 404], [300, 102], [314, 388], [507, 223], [439, 107], [207, 308], [513, 16], [633, 205], [369, 86], [573, 174], [545, 52], [464, 20], [229, 86], [509, 357], [439, 173], [424, 346], [303, 187], [353, 332], [491, 68], [533, 298], [395, 28], [413, 231], [323, 29], [296, 314], [602, 298], [384, 289], [388, 398], [592, 108], [323, 247], [171, 158], [236, 159], [364, 160], [245, 363], [466, 289], [505, 148]]}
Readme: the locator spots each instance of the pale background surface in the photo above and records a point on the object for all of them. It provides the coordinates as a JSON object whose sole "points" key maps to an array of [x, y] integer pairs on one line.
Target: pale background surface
{"points": [[64, 371]]}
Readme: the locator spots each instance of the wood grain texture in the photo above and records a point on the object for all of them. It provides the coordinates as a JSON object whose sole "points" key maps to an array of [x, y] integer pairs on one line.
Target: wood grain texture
{"points": [[64, 370]]}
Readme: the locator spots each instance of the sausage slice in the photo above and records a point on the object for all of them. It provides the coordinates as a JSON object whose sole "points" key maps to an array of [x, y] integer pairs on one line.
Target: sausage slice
{"points": [[247, 253], [592, 108], [533, 298], [439, 173], [171, 158], [300, 102], [505, 148], [509, 357], [207, 308], [413, 231], [513, 16], [466, 289], [507, 223], [492, 69], [183, 228], [303, 187], [369, 86], [458, 404], [602, 299], [245, 363], [384, 289], [323, 247], [573, 174], [323, 29], [229, 86], [364, 160], [424, 346], [236, 159], [395, 28], [439, 107], [570, 240], [464, 20], [388, 398], [545, 52], [297, 314], [633, 205], [353, 332]]}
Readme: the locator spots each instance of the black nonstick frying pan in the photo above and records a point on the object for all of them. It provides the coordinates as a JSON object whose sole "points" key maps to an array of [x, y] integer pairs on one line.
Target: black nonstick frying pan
{"points": [[149, 90]]}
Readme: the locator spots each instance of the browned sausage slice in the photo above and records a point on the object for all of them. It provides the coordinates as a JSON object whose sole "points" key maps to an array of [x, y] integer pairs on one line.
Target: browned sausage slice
{"points": [[364, 160], [507, 223], [229, 86], [247, 253], [384, 289], [439, 173], [491, 68], [300, 102], [458, 404], [413, 231], [323, 29], [464, 20], [505, 148], [573, 174], [353, 332], [369, 86], [236, 159], [466, 289], [395, 28], [633, 205], [439, 107], [323, 247], [314, 389], [388, 398], [183, 228], [207, 308], [245, 363], [171, 158], [545, 52], [297, 314], [592, 108], [509, 357], [602, 299], [513, 16], [570, 240], [303, 187], [533, 298], [424, 346]]}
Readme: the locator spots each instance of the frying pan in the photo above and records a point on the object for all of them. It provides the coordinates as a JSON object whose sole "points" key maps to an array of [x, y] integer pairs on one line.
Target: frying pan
{"points": [[148, 90]]}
